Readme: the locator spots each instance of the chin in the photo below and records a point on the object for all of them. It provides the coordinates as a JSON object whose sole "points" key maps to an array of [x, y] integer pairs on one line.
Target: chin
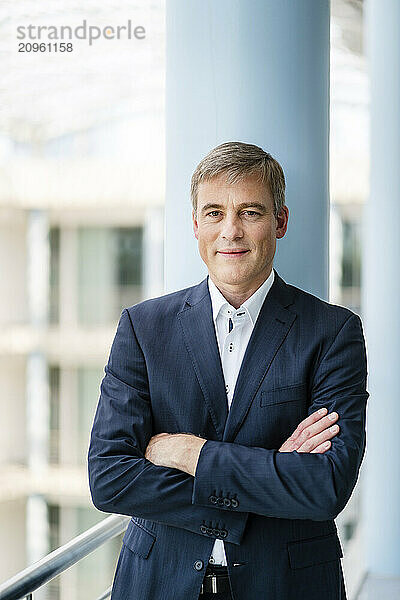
{"points": [[234, 278]]}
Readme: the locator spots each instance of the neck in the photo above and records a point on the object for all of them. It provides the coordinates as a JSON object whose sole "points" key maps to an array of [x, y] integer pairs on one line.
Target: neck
{"points": [[237, 294]]}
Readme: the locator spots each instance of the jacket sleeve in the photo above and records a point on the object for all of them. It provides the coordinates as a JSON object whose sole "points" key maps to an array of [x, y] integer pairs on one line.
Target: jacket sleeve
{"points": [[121, 480], [296, 485]]}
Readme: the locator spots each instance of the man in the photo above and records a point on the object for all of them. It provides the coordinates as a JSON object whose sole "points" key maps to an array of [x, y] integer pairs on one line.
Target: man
{"points": [[214, 424]]}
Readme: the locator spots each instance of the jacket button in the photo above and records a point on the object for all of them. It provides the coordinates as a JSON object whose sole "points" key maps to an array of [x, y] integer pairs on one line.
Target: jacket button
{"points": [[203, 529], [220, 501], [213, 499], [227, 502], [223, 533], [198, 565], [216, 532], [234, 503], [209, 530]]}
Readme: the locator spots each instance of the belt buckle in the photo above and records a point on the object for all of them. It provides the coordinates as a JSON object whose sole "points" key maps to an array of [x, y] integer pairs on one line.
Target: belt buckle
{"points": [[214, 584]]}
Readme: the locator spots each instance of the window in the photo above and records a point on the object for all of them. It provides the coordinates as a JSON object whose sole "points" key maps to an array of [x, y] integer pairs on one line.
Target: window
{"points": [[351, 264], [109, 272], [54, 387], [53, 512], [54, 241]]}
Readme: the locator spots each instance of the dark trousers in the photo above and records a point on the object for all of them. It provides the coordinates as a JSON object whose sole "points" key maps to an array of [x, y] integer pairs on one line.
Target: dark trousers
{"points": [[220, 595]]}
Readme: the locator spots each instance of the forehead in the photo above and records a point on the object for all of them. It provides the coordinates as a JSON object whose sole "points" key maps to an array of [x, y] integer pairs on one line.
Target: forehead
{"points": [[248, 189]]}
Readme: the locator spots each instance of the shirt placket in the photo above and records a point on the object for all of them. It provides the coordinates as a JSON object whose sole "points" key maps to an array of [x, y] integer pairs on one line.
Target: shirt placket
{"points": [[231, 352]]}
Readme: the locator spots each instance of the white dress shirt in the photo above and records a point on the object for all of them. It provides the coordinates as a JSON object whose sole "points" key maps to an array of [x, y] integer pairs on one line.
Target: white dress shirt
{"points": [[232, 346]]}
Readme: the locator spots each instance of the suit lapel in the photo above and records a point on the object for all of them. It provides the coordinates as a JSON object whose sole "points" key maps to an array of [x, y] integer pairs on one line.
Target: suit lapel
{"points": [[199, 335], [270, 330]]}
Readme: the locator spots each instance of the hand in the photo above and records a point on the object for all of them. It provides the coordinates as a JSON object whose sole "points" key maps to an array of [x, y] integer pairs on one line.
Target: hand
{"points": [[313, 434], [176, 450]]}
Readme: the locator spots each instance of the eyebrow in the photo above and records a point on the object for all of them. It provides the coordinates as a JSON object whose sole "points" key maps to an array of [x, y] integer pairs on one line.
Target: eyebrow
{"points": [[258, 205]]}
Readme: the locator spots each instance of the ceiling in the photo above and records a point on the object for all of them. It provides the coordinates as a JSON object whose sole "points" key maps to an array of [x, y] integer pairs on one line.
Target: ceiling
{"points": [[45, 95]]}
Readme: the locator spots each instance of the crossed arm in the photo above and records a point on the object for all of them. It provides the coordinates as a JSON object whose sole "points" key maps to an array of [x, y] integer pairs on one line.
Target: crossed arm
{"points": [[294, 483], [182, 450]]}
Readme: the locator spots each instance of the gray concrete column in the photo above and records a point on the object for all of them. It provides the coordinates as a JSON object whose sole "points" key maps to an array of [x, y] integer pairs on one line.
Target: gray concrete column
{"points": [[37, 394], [255, 72], [37, 531], [37, 390], [381, 293]]}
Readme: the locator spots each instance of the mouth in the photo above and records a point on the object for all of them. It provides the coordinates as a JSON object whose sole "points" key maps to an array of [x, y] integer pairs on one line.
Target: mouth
{"points": [[233, 253]]}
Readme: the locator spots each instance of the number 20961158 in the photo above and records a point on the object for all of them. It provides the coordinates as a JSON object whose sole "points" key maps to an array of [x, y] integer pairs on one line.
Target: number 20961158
{"points": [[45, 47]]}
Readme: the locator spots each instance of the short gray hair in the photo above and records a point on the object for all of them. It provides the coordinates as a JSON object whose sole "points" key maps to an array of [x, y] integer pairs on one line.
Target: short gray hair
{"points": [[239, 160]]}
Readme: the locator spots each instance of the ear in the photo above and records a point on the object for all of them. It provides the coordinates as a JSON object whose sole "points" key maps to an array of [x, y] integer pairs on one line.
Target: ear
{"points": [[195, 226], [282, 222]]}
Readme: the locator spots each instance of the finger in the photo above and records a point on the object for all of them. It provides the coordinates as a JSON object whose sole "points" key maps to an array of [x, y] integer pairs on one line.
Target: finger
{"points": [[312, 425], [288, 446], [322, 448], [313, 418], [318, 439], [318, 427]]}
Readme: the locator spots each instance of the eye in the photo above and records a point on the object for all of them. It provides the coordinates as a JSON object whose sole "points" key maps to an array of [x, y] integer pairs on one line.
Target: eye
{"points": [[213, 213], [252, 213]]}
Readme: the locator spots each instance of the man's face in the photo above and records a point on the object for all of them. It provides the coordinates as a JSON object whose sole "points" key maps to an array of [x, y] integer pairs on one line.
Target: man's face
{"points": [[237, 231]]}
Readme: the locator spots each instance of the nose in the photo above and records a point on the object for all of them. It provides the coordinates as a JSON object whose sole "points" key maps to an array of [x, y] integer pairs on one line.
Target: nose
{"points": [[232, 228]]}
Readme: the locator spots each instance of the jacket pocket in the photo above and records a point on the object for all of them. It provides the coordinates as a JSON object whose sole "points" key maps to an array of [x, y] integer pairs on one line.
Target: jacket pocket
{"points": [[305, 553], [138, 540], [284, 394]]}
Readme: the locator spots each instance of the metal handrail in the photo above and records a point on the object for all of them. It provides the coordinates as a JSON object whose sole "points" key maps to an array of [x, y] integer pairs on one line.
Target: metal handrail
{"points": [[105, 594], [33, 577]]}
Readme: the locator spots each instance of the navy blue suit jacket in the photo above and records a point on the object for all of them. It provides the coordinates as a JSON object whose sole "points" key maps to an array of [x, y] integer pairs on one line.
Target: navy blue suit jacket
{"points": [[275, 511]]}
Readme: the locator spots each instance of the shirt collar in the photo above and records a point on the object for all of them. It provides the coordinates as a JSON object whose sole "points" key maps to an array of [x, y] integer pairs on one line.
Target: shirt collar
{"points": [[252, 305]]}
